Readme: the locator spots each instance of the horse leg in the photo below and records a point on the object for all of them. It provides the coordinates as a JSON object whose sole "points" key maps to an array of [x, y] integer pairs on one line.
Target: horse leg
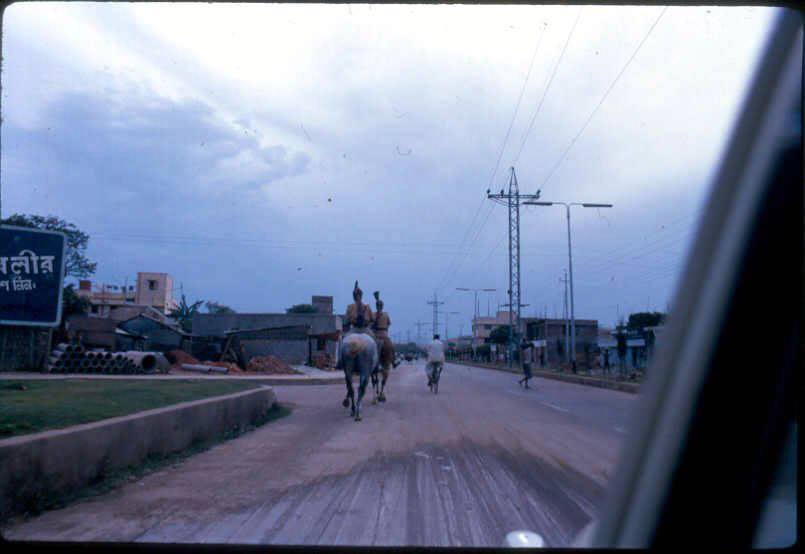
{"points": [[374, 387], [361, 392], [383, 387], [350, 399]]}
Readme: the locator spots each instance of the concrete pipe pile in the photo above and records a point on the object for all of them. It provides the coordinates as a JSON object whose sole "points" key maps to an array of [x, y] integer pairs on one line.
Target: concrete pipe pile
{"points": [[142, 360]]}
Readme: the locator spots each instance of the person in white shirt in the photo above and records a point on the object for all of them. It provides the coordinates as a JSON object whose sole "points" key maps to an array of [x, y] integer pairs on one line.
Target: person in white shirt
{"points": [[435, 359]]}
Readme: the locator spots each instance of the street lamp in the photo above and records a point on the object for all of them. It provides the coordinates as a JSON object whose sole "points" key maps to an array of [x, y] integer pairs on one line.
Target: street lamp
{"points": [[475, 313], [446, 320], [570, 261]]}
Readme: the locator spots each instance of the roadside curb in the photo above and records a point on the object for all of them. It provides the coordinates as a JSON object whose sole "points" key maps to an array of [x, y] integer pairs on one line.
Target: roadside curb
{"points": [[631, 388], [272, 381], [59, 461]]}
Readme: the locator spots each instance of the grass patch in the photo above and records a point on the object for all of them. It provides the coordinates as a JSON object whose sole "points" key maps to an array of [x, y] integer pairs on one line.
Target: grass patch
{"points": [[32, 502], [30, 406]]}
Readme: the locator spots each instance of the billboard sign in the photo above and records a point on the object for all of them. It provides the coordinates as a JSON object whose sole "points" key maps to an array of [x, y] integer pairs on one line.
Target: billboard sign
{"points": [[31, 276]]}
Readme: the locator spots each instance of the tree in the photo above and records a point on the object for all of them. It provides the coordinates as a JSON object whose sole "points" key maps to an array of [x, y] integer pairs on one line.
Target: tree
{"points": [[302, 309], [639, 320], [76, 263], [184, 313], [217, 308], [499, 335], [72, 303]]}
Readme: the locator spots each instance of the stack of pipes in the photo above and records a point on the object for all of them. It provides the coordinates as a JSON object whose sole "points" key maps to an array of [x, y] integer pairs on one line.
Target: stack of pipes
{"points": [[67, 358]]}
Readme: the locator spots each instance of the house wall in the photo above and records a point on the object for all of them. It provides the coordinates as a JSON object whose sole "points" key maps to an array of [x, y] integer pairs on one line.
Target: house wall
{"points": [[158, 337], [292, 351], [162, 297], [218, 324]]}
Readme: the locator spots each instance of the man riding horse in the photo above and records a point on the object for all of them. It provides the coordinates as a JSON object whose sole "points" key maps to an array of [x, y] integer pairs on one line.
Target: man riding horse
{"points": [[358, 352], [381, 325]]}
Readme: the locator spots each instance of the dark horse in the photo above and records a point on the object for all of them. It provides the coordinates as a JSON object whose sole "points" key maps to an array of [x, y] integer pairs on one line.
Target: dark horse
{"points": [[384, 368], [358, 355]]}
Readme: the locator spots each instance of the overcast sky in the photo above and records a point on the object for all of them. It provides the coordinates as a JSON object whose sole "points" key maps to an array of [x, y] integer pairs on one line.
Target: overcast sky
{"points": [[261, 154]]}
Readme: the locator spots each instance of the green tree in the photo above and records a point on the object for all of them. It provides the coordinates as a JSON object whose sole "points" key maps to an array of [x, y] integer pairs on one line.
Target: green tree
{"points": [[72, 303], [184, 313], [639, 320], [217, 308], [76, 263], [302, 309], [499, 335]]}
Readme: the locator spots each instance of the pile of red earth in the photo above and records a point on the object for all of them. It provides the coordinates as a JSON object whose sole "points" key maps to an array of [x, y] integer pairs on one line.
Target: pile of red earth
{"points": [[269, 364], [179, 357], [323, 361]]}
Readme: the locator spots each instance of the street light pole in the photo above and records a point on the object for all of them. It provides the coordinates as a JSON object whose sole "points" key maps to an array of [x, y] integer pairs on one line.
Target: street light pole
{"points": [[572, 306], [477, 307], [570, 264]]}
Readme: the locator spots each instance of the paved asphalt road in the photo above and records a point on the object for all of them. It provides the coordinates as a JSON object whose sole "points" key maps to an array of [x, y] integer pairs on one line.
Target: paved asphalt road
{"points": [[461, 468]]}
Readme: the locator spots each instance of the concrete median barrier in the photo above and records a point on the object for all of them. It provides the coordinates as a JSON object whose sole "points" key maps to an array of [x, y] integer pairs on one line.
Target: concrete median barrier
{"points": [[61, 461]]}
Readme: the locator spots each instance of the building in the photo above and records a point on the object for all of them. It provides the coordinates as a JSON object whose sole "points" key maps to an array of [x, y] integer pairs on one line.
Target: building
{"points": [[550, 337], [150, 289], [294, 338], [482, 326], [155, 289], [323, 304], [104, 298], [157, 335]]}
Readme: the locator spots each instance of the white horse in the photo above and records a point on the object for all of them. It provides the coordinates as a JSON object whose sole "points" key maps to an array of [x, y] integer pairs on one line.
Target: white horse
{"points": [[358, 354]]}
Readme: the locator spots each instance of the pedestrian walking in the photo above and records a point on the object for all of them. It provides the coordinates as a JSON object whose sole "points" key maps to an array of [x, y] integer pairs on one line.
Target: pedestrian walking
{"points": [[527, 357]]}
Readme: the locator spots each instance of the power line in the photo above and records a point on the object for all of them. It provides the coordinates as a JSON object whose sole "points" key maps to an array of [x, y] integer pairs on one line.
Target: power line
{"points": [[547, 87], [606, 94], [517, 109], [453, 267]]}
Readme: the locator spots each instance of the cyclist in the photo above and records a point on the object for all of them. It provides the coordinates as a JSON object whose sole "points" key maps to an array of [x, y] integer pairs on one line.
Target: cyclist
{"points": [[433, 367]]}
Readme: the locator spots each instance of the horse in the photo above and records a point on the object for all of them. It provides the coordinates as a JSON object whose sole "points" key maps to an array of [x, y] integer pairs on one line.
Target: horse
{"points": [[358, 353], [386, 361]]}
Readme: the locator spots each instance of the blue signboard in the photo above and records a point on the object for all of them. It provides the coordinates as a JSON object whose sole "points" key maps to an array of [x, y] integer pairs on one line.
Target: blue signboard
{"points": [[31, 276]]}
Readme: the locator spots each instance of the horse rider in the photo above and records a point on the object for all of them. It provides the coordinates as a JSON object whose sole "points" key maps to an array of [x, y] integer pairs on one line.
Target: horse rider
{"points": [[381, 325], [435, 358], [358, 318]]}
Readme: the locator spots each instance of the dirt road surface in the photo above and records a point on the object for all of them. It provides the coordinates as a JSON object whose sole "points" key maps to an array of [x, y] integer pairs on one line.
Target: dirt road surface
{"points": [[461, 468]]}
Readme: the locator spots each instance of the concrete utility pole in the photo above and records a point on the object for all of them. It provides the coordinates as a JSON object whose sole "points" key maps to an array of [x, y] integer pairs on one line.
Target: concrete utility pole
{"points": [[512, 201], [567, 321], [477, 307], [435, 303], [570, 261]]}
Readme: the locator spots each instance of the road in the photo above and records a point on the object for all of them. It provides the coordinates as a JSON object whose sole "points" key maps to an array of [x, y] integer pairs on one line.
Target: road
{"points": [[461, 468]]}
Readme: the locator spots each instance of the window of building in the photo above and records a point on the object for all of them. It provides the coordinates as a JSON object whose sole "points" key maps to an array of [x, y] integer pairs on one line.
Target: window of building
{"points": [[152, 284]]}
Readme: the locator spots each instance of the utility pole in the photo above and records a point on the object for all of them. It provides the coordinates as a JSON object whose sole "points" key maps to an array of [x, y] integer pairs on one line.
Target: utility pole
{"points": [[435, 303], [512, 201], [570, 262], [567, 322], [408, 336]]}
